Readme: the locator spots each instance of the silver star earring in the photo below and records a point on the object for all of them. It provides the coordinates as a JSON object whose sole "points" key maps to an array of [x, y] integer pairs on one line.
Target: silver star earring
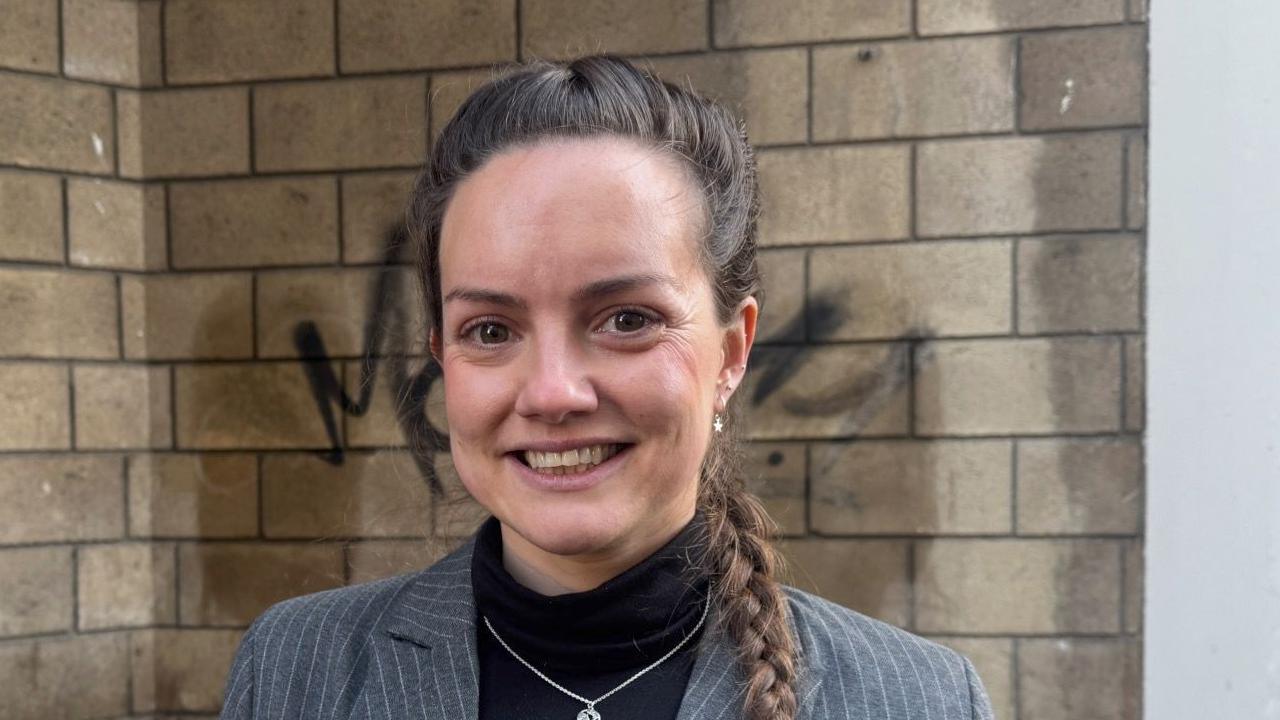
{"points": [[717, 423]]}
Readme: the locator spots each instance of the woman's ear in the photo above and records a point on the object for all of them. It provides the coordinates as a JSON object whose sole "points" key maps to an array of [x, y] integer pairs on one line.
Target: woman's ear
{"points": [[433, 345], [739, 335]]}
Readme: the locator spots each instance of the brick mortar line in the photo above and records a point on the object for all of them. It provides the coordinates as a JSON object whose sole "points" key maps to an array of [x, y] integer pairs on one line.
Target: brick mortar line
{"points": [[1118, 335], [62, 43], [465, 67], [164, 51], [1013, 487], [64, 186], [760, 148], [519, 30], [1100, 233], [337, 38]]}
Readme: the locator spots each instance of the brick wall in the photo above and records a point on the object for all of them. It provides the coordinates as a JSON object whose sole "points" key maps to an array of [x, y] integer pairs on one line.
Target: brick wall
{"points": [[198, 212]]}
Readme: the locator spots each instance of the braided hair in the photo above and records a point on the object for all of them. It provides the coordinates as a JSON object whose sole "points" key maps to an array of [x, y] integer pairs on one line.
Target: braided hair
{"points": [[606, 95]]}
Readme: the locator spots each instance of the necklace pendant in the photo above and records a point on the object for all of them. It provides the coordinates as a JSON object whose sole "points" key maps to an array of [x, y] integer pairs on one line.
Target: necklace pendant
{"points": [[589, 714]]}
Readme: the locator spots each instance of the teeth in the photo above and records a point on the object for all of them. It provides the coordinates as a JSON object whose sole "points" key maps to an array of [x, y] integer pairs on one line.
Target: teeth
{"points": [[569, 461]]}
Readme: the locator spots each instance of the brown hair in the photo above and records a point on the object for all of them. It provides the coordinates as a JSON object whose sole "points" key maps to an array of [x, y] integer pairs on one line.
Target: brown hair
{"points": [[605, 95]]}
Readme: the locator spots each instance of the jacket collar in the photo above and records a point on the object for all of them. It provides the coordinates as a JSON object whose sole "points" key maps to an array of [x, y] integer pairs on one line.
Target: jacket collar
{"points": [[436, 611]]}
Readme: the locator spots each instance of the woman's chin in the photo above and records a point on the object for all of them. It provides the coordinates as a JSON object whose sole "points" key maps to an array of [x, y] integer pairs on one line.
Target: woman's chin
{"points": [[568, 534]]}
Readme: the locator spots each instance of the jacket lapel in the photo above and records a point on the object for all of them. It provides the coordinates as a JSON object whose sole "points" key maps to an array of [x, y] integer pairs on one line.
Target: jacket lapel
{"points": [[432, 628], [427, 664]]}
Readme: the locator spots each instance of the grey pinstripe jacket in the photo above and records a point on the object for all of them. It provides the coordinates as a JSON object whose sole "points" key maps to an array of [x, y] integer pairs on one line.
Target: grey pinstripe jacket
{"points": [[405, 647]]}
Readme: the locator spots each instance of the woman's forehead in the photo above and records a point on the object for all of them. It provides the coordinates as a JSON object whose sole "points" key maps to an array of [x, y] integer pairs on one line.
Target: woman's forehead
{"points": [[568, 205]]}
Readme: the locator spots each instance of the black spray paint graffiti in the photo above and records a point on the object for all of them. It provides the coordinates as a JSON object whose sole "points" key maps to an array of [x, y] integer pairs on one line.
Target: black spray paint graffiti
{"points": [[409, 389], [863, 395]]}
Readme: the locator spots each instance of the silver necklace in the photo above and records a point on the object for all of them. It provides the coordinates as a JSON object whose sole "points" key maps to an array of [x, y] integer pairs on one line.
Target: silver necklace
{"points": [[590, 712]]}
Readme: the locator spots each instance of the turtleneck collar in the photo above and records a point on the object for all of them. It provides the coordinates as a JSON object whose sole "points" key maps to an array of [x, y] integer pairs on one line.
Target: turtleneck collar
{"points": [[630, 620]]}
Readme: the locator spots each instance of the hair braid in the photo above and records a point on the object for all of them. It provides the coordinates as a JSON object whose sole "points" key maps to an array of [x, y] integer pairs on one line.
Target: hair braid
{"points": [[753, 608]]}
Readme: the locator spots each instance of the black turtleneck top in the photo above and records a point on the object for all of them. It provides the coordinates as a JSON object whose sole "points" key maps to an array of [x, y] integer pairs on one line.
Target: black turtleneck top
{"points": [[590, 642]]}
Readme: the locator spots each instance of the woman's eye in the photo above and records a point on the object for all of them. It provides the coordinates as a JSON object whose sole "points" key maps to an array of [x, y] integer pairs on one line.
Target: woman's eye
{"points": [[628, 321], [491, 333]]}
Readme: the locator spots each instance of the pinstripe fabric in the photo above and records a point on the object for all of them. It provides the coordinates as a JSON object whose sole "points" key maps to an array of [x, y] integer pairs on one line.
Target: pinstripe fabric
{"points": [[405, 647]]}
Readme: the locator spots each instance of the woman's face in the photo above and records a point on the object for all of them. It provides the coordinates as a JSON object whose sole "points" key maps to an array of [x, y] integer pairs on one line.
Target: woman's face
{"points": [[583, 359]]}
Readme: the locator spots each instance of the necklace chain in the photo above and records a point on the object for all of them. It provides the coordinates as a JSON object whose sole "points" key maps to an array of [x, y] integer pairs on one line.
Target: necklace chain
{"points": [[591, 713]]}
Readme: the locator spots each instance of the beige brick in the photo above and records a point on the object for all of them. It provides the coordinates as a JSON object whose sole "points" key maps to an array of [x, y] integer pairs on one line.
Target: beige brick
{"points": [[376, 494], [1083, 78], [965, 16], [207, 316], [114, 41], [1033, 385], [61, 498], [37, 402], [869, 576], [410, 34], [1134, 383], [614, 26], [910, 487], [76, 676], [833, 194], [1136, 160], [783, 276], [993, 659], [457, 515], [1139, 10], [373, 207], [1065, 678], [369, 122], [122, 406], [56, 124], [341, 303], [254, 222], [765, 88], [1079, 284], [832, 391], [1083, 485], [183, 133], [911, 290], [776, 474], [116, 224], [1023, 184], [210, 495], [762, 22], [30, 217], [53, 313], [129, 584], [376, 559], [38, 594], [1134, 564], [247, 40], [449, 90], [232, 583], [1017, 586], [180, 670], [260, 405], [391, 395], [935, 87], [29, 35]]}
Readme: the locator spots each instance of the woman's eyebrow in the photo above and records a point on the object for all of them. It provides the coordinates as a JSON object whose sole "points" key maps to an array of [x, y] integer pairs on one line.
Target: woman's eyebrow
{"points": [[609, 286], [591, 291]]}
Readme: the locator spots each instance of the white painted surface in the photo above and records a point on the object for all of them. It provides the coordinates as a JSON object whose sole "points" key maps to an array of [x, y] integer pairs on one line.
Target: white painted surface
{"points": [[1213, 359]]}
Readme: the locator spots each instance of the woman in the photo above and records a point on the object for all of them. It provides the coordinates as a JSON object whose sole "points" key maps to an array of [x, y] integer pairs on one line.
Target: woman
{"points": [[587, 240]]}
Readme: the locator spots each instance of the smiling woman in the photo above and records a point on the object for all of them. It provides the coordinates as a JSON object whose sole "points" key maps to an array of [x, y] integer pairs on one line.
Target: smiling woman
{"points": [[587, 246]]}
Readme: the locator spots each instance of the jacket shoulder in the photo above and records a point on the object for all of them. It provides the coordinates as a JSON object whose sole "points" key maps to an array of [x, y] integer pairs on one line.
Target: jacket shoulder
{"points": [[859, 660]]}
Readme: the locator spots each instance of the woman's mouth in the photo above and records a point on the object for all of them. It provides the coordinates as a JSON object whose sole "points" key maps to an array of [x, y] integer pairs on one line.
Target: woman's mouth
{"points": [[569, 462]]}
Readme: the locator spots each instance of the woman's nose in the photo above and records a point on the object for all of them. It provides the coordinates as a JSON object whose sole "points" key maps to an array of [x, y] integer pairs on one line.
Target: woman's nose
{"points": [[556, 385]]}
